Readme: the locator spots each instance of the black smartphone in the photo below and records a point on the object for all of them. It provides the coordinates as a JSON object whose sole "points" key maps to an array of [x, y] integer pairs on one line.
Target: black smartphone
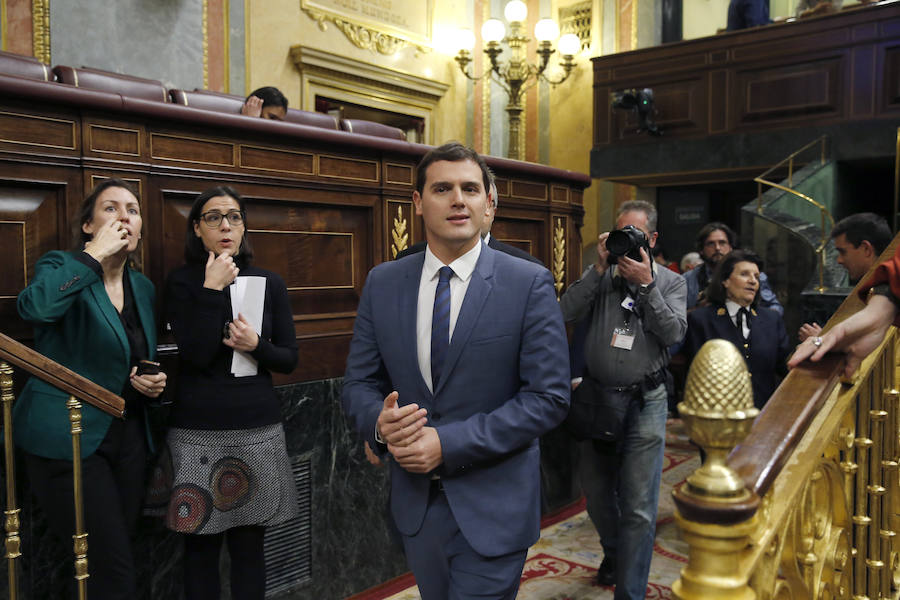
{"points": [[147, 367]]}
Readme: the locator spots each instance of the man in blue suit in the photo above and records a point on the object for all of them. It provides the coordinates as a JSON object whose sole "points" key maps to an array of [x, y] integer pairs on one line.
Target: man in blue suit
{"points": [[458, 364]]}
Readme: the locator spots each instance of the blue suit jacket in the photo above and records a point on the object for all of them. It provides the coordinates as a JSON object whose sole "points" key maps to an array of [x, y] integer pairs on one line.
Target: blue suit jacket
{"points": [[769, 345], [76, 325], [505, 382]]}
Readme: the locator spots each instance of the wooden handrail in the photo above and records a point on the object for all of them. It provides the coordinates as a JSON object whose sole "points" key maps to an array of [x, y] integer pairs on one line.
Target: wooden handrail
{"points": [[758, 460], [60, 377]]}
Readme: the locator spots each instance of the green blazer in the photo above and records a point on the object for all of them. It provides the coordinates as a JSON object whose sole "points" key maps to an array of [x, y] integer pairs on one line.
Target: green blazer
{"points": [[76, 325]]}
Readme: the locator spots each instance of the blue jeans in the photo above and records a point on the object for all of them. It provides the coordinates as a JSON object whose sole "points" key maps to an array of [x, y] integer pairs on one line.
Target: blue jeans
{"points": [[622, 490]]}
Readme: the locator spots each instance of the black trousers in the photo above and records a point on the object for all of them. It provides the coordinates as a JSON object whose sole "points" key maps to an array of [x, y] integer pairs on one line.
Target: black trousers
{"points": [[113, 487], [248, 564]]}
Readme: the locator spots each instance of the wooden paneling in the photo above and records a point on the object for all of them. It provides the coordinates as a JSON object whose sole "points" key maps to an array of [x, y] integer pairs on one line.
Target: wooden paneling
{"points": [[807, 73], [279, 161], [348, 168], [191, 150], [319, 214], [104, 139], [37, 131], [29, 215], [891, 77], [795, 92]]}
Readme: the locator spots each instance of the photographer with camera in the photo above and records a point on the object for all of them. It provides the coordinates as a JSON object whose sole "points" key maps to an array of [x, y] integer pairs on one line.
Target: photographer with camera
{"points": [[634, 311]]}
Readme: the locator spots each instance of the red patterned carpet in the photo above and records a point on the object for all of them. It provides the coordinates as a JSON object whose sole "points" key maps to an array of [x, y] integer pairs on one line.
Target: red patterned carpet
{"points": [[562, 564]]}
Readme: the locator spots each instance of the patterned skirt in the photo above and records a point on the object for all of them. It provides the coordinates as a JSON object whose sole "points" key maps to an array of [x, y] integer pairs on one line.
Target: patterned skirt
{"points": [[209, 481]]}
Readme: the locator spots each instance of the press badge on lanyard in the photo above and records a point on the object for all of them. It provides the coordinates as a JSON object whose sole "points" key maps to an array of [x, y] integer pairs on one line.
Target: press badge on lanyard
{"points": [[623, 336]]}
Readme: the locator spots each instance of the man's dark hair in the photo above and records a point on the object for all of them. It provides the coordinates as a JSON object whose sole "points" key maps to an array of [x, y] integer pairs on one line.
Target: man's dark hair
{"points": [[194, 251], [715, 226], [271, 96], [453, 152], [86, 210], [715, 292], [864, 227]]}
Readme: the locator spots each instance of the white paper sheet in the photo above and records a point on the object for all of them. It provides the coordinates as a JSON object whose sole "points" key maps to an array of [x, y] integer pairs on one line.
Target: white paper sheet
{"points": [[248, 295]]}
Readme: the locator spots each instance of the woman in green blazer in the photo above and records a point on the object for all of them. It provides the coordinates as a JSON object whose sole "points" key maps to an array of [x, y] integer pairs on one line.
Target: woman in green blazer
{"points": [[94, 314]]}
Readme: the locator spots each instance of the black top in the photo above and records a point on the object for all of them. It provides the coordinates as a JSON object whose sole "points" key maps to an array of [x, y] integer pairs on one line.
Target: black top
{"points": [[131, 323], [209, 396]]}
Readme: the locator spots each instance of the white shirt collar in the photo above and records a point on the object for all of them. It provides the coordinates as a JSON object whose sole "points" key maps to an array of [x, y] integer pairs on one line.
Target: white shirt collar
{"points": [[462, 266], [732, 307]]}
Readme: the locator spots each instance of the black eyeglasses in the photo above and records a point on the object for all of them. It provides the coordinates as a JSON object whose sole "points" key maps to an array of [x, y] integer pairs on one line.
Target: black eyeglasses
{"points": [[213, 218]]}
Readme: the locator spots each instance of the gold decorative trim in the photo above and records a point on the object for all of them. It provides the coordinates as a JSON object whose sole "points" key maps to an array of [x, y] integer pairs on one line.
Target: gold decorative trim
{"points": [[634, 25], [399, 235], [3, 28], [40, 13], [331, 233], [576, 18], [485, 95], [247, 88], [205, 29], [559, 256], [12, 523], [226, 45], [361, 36]]}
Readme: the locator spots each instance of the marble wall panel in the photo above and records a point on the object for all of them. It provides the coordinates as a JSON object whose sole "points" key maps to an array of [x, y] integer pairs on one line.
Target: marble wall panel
{"points": [[157, 40]]}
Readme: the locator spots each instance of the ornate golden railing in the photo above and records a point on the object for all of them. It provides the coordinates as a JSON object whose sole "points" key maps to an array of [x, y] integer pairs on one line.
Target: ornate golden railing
{"points": [[814, 500], [79, 388], [827, 219]]}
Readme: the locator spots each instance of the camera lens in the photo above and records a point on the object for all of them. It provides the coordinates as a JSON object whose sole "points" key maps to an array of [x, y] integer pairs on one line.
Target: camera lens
{"points": [[618, 243]]}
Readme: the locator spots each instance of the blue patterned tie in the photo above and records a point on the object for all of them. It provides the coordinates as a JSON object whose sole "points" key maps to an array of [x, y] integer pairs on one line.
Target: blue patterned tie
{"points": [[440, 325]]}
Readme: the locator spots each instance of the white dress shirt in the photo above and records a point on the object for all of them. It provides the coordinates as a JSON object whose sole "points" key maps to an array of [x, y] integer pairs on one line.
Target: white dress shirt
{"points": [[459, 283], [733, 308]]}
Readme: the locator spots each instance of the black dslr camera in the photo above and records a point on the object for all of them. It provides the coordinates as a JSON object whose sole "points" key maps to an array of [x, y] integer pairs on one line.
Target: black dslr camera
{"points": [[627, 241]]}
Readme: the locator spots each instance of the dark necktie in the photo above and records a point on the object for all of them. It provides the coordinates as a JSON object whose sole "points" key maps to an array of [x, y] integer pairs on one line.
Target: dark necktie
{"points": [[440, 325], [743, 316]]}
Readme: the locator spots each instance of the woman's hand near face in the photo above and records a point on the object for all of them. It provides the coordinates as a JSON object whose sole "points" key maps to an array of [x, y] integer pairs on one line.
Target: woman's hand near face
{"points": [[241, 336], [109, 239], [220, 271], [148, 385]]}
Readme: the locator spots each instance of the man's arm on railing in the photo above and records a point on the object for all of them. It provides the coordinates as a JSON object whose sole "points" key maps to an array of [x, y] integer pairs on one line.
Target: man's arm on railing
{"points": [[858, 335]]}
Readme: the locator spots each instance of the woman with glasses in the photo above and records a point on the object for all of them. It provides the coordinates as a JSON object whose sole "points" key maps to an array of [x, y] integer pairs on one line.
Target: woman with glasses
{"points": [[229, 468], [93, 313]]}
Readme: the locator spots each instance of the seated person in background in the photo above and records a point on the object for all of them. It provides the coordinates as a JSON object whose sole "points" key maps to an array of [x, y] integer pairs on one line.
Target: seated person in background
{"points": [[732, 314], [859, 239], [266, 102], [812, 8], [714, 241], [743, 14], [690, 260], [861, 333]]}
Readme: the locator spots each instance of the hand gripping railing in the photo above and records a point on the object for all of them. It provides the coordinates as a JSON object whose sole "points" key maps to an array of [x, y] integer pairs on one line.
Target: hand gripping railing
{"points": [[826, 215], [79, 388]]}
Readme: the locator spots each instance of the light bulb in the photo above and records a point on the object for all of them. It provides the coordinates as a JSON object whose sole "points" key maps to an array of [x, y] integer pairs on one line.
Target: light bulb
{"points": [[569, 45], [546, 30], [465, 39], [515, 11], [493, 30]]}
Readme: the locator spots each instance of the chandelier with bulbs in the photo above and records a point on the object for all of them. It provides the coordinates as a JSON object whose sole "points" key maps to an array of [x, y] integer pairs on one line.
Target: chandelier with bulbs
{"points": [[516, 75]]}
